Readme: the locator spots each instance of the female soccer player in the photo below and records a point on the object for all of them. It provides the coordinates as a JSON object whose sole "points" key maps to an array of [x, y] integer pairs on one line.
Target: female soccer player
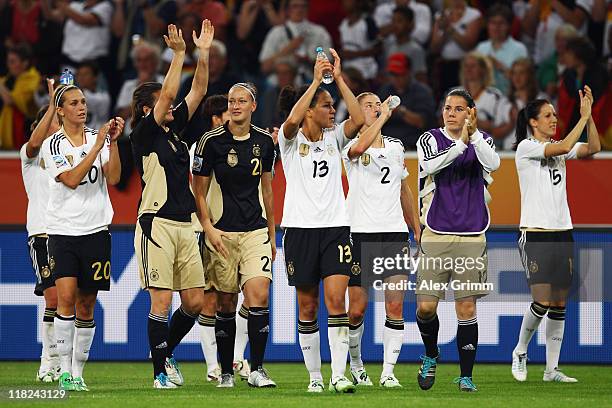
{"points": [[545, 241], [216, 113], [80, 161], [165, 243], [36, 183], [380, 206], [454, 166], [241, 242], [317, 239]]}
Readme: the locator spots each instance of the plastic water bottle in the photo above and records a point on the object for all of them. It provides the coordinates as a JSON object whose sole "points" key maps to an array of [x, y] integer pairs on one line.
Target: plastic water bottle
{"points": [[328, 77], [394, 102], [66, 78]]}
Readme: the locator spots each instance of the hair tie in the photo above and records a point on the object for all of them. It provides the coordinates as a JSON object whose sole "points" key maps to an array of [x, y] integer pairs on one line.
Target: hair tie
{"points": [[60, 92], [245, 86]]}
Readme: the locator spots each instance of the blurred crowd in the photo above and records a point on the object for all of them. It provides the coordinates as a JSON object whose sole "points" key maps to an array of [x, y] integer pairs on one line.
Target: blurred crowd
{"points": [[504, 53]]}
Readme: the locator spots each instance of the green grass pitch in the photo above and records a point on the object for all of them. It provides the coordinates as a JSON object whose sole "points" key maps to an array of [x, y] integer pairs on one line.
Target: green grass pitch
{"points": [[127, 385]]}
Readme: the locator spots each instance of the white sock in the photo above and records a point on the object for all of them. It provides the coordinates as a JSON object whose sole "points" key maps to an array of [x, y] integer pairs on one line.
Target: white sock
{"points": [[49, 345], [531, 320], [242, 333], [64, 334], [208, 341], [555, 325], [393, 338], [310, 343], [338, 336], [83, 338], [355, 335]]}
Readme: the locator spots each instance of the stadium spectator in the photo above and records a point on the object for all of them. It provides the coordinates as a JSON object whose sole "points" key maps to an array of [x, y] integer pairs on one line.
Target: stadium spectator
{"points": [[455, 163], [401, 41], [523, 88], [421, 31], [501, 48], [286, 75], [357, 84], [328, 14], [254, 18], [187, 23], [359, 44], [81, 163], [583, 68], [294, 41], [17, 90], [549, 70], [546, 244], [213, 10], [492, 105], [454, 34], [98, 100], [541, 21], [22, 19], [134, 21], [415, 113]]}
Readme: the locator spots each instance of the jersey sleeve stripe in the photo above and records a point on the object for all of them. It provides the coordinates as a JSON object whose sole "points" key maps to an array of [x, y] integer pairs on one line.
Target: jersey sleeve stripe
{"points": [[424, 141], [215, 132], [264, 131]]}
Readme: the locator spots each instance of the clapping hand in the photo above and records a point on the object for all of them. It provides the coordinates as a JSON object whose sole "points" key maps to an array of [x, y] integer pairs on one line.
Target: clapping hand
{"points": [[207, 33], [174, 40]]}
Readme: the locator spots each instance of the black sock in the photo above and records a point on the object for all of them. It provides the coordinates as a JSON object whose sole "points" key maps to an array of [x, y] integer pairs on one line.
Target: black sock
{"points": [[429, 333], [158, 342], [258, 326], [225, 332], [180, 325], [467, 343]]}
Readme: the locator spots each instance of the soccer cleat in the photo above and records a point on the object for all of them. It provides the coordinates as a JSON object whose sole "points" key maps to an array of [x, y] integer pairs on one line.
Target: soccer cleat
{"points": [[260, 379], [162, 382], [360, 377], [214, 374], [427, 372], [341, 384], [226, 381], [65, 382], [57, 371], [79, 384], [519, 366], [389, 381], [465, 384], [46, 375], [173, 371], [316, 386], [242, 369], [557, 376]]}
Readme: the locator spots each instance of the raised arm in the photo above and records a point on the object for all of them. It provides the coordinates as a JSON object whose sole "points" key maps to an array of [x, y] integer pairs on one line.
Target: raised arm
{"points": [[296, 116], [41, 131], [593, 144], [174, 41], [367, 138], [566, 145], [356, 119], [484, 148], [200, 78]]}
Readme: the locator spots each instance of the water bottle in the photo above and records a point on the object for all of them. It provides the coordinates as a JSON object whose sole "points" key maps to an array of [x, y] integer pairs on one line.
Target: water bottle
{"points": [[394, 102], [328, 77], [66, 78]]}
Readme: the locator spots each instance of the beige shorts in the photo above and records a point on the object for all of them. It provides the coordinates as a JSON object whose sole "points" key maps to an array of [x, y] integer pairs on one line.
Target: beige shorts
{"points": [[168, 255], [250, 256], [457, 261]]}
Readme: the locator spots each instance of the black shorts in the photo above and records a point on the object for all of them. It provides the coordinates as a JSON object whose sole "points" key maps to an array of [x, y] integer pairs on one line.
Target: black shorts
{"points": [[548, 257], [85, 257], [367, 246], [40, 263], [312, 254]]}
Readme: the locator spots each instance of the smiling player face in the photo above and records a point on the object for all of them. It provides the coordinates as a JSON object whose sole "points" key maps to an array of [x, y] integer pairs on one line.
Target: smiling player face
{"points": [[546, 123]]}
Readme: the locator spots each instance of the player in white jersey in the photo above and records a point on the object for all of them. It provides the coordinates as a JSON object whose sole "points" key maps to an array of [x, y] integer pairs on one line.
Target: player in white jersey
{"points": [[317, 237], [36, 184], [79, 161], [545, 240], [380, 205]]}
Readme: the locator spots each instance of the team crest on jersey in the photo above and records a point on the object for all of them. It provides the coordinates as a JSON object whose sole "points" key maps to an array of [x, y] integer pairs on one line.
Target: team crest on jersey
{"points": [[290, 268], [356, 269], [45, 272], [59, 160], [232, 158], [70, 159], [154, 275], [51, 263], [533, 267], [256, 150], [365, 159], [330, 150], [304, 149]]}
